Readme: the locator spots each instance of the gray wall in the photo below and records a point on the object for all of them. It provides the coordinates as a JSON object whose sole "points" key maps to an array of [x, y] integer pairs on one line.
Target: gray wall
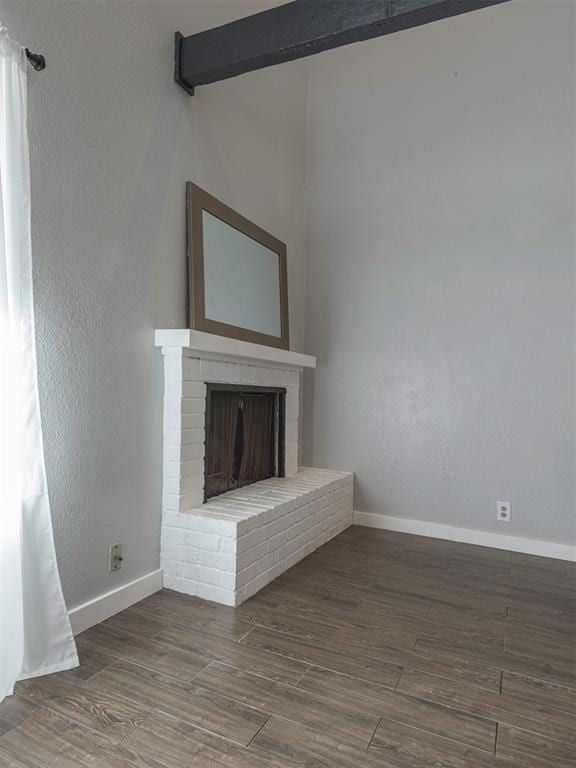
{"points": [[112, 142], [440, 282]]}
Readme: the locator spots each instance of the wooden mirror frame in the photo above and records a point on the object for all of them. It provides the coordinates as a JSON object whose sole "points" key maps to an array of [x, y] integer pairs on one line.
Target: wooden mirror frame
{"points": [[198, 200]]}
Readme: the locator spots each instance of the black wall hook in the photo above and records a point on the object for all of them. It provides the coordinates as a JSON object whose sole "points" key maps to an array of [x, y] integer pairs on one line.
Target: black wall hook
{"points": [[36, 60]]}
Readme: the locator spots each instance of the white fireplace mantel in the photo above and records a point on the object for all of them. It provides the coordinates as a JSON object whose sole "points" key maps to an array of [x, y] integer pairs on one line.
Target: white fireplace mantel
{"points": [[208, 344]]}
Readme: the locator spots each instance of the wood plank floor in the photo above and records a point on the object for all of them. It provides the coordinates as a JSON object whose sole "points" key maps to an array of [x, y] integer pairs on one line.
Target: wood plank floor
{"points": [[380, 649]]}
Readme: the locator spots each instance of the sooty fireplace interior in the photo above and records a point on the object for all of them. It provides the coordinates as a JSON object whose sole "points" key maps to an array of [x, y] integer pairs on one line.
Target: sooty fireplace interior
{"points": [[244, 436]]}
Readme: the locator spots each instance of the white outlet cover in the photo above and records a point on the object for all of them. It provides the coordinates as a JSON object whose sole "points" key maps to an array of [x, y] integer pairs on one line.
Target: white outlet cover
{"points": [[503, 511]]}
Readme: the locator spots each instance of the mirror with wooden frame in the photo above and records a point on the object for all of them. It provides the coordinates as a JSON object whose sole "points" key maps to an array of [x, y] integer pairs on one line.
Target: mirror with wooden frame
{"points": [[237, 273]]}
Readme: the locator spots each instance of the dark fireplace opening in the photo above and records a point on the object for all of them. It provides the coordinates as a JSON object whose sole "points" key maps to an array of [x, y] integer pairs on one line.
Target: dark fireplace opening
{"points": [[244, 436]]}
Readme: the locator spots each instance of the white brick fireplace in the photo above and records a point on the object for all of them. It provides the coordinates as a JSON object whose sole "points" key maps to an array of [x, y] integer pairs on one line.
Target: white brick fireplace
{"points": [[230, 547]]}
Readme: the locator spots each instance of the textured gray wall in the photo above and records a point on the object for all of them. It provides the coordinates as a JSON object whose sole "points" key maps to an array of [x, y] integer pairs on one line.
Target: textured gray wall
{"points": [[440, 283], [112, 142]]}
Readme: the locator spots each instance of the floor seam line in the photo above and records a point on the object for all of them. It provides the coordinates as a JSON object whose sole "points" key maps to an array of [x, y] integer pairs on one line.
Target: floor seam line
{"points": [[258, 731]]}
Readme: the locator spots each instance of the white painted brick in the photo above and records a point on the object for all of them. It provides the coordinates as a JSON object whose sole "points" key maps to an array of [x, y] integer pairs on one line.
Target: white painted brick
{"points": [[291, 467], [227, 581], [227, 545], [192, 452], [193, 404], [206, 542], [291, 436], [206, 592], [192, 469], [308, 511], [191, 499], [171, 453], [193, 421], [173, 367], [170, 501], [216, 594], [178, 437], [193, 482], [191, 370], [206, 575], [214, 371], [194, 523], [174, 419], [255, 553], [194, 556], [173, 436], [292, 409], [187, 500], [172, 485], [193, 389], [173, 387], [185, 469], [291, 425], [192, 436], [180, 585]]}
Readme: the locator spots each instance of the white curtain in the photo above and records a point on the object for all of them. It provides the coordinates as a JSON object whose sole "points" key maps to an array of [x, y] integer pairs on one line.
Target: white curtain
{"points": [[35, 634]]}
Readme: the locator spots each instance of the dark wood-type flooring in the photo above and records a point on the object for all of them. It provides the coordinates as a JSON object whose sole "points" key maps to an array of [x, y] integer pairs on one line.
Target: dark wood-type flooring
{"points": [[380, 649]]}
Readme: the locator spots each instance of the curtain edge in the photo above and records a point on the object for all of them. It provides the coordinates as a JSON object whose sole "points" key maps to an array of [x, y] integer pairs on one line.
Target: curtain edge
{"points": [[70, 662]]}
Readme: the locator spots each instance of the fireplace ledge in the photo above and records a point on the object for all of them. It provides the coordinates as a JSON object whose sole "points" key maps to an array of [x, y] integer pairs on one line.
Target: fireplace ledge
{"points": [[235, 544], [210, 345]]}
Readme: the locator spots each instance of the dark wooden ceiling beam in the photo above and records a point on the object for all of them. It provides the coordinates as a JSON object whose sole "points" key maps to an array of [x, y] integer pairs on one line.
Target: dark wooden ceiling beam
{"points": [[301, 28]]}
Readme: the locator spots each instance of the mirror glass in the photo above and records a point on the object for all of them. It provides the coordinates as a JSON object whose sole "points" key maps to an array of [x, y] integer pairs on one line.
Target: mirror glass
{"points": [[241, 279]]}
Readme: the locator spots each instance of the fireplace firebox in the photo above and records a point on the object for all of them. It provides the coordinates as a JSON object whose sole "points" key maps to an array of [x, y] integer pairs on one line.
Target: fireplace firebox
{"points": [[244, 436]]}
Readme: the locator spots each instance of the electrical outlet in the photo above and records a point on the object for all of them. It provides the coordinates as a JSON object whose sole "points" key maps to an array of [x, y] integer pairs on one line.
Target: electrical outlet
{"points": [[503, 511], [115, 557]]}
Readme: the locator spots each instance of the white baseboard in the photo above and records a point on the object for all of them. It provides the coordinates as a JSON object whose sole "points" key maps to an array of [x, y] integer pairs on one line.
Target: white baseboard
{"points": [[102, 607], [467, 535]]}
